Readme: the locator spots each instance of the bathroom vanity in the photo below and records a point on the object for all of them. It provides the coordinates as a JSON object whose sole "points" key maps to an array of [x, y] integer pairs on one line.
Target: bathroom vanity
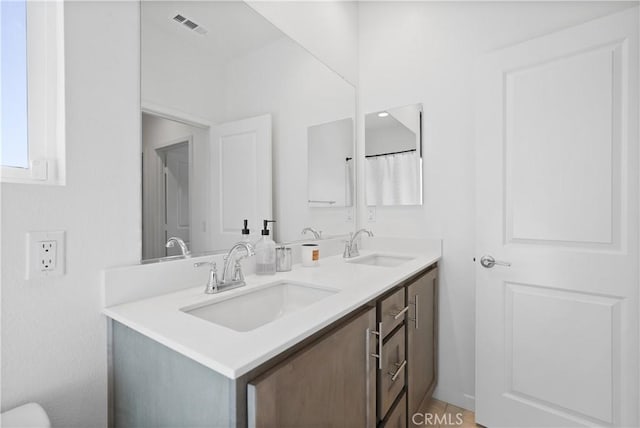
{"points": [[331, 382], [348, 343]]}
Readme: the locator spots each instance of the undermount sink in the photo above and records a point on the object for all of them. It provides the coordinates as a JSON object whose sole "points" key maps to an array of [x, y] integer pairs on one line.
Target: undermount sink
{"points": [[261, 306], [381, 260]]}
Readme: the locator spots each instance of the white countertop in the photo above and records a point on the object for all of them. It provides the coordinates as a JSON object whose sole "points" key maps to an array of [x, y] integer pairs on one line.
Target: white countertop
{"points": [[233, 353]]}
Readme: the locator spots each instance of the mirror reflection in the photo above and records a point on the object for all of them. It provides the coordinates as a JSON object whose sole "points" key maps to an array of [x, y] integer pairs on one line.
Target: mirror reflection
{"points": [[236, 119], [393, 156], [330, 161]]}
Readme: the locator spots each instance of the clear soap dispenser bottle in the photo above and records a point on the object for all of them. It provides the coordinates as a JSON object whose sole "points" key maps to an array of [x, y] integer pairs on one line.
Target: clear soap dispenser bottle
{"points": [[265, 250]]}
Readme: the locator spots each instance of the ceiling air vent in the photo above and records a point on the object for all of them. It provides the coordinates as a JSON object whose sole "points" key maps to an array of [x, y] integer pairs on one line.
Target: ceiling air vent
{"points": [[190, 24]]}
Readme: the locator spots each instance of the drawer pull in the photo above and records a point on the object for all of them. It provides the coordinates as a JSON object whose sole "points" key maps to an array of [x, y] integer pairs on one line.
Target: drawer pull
{"points": [[396, 373], [397, 314], [379, 354]]}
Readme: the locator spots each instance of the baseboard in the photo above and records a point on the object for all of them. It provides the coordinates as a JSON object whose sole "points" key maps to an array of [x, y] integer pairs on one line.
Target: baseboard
{"points": [[465, 401], [471, 402]]}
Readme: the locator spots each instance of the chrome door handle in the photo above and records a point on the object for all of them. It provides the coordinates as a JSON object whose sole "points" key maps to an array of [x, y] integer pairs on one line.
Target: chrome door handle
{"points": [[379, 354], [415, 303], [368, 355], [488, 262]]}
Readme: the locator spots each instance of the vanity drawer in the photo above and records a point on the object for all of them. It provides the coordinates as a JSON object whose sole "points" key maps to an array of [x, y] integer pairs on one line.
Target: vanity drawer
{"points": [[398, 416], [391, 378], [392, 311]]}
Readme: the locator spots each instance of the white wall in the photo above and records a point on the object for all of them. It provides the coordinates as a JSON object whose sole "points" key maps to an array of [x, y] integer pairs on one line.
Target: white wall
{"points": [[328, 29], [54, 345], [425, 52]]}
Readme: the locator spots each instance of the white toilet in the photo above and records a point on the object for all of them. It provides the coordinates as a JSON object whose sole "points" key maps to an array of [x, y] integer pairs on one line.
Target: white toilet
{"points": [[30, 415]]}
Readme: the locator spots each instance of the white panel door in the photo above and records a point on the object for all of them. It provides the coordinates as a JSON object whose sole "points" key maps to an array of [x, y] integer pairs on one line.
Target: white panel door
{"points": [[241, 153], [557, 197]]}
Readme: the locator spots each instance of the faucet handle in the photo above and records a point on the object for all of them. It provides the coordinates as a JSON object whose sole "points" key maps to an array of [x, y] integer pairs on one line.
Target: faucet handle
{"points": [[212, 283], [347, 250], [211, 264], [237, 271]]}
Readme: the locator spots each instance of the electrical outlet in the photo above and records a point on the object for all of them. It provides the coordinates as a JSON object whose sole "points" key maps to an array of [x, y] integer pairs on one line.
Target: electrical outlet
{"points": [[349, 214], [45, 254], [371, 214], [48, 255]]}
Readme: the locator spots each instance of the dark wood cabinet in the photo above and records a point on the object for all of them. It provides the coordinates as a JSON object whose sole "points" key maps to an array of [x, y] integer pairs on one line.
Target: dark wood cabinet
{"points": [[330, 383], [407, 320], [422, 337]]}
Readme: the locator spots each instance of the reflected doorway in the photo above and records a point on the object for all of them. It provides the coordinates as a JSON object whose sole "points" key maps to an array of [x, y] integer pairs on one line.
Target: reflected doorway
{"points": [[167, 183], [175, 178]]}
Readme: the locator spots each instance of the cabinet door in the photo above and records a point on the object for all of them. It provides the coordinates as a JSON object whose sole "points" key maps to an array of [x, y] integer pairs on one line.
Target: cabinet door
{"points": [[329, 384], [422, 339]]}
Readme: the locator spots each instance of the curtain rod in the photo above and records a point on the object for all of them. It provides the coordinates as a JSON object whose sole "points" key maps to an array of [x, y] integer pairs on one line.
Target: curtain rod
{"points": [[390, 153]]}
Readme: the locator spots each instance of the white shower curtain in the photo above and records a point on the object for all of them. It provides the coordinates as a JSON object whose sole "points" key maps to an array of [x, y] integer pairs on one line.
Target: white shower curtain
{"points": [[394, 179]]}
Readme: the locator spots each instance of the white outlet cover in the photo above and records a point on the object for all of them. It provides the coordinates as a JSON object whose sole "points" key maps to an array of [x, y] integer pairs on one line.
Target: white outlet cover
{"points": [[349, 214], [371, 214], [34, 240]]}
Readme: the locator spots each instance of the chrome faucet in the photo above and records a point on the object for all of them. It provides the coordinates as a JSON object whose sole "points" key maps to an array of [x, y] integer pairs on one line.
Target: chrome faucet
{"points": [[351, 246], [237, 278], [317, 234], [215, 285], [183, 247]]}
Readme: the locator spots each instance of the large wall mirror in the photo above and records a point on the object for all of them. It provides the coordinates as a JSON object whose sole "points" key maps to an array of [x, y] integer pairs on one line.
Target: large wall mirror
{"points": [[393, 156], [238, 122]]}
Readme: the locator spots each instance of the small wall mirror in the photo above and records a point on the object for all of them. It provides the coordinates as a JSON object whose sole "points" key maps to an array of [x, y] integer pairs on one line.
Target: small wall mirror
{"points": [[393, 156], [330, 164]]}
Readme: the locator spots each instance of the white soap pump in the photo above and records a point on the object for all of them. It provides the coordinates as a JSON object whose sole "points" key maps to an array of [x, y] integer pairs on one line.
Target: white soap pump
{"points": [[265, 252]]}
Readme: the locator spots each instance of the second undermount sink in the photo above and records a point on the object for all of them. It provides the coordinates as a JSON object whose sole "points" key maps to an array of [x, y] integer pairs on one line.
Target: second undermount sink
{"points": [[384, 260], [260, 306]]}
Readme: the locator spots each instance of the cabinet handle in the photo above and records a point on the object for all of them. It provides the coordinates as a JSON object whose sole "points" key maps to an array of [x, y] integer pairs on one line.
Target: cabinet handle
{"points": [[415, 303], [400, 367], [367, 355], [398, 314], [379, 354]]}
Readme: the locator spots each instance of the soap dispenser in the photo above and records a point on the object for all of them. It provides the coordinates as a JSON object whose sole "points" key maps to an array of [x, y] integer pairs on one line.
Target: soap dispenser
{"points": [[266, 252], [246, 233]]}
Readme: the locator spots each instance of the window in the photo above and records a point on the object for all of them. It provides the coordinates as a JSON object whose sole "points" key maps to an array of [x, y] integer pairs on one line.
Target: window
{"points": [[15, 149], [32, 92]]}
